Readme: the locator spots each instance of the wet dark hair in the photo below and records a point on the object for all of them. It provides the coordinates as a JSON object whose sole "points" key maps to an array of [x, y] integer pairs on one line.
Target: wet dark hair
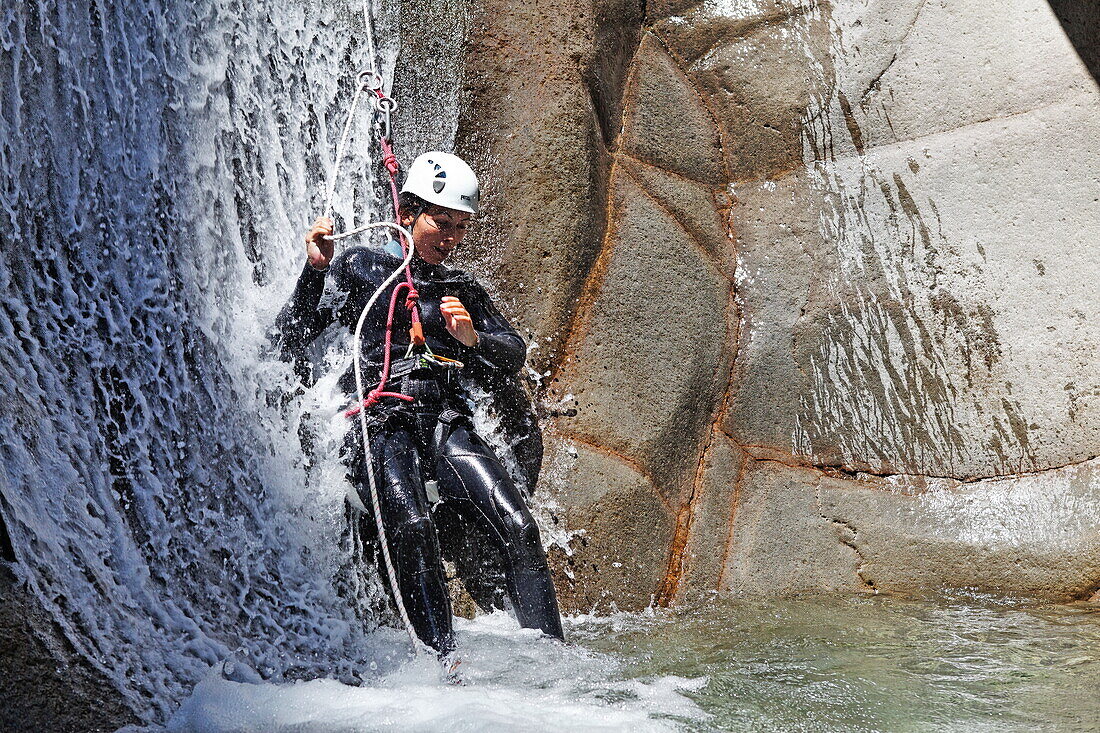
{"points": [[410, 202]]}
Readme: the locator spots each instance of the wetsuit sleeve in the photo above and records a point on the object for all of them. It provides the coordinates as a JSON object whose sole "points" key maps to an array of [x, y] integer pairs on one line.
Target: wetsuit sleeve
{"points": [[301, 321], [498, 344]]}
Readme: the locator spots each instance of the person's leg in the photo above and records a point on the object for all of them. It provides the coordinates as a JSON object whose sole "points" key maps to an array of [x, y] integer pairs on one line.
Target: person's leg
{"points": [[413, 544], [473, 549], [472, 479]]}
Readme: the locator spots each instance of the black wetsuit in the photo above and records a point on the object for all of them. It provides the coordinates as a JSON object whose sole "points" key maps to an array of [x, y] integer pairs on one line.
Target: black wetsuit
{"points": [[429, 439]]}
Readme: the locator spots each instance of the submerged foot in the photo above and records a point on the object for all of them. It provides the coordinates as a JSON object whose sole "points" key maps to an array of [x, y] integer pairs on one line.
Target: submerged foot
{"points": [[452, 675]]}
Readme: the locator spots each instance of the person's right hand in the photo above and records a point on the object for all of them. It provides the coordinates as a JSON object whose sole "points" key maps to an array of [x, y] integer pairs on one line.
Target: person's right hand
{"points": [[318, 248]]}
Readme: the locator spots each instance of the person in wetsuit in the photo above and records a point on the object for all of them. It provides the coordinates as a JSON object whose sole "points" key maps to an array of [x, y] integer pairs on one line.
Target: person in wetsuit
{"points": [[428, 445]]}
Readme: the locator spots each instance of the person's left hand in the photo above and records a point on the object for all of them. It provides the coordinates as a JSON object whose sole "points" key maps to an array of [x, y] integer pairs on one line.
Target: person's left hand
{"points": [[458, 321]]}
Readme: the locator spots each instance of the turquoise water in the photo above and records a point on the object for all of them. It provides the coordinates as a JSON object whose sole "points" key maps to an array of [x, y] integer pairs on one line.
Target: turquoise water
{"points": [[962, 663]]}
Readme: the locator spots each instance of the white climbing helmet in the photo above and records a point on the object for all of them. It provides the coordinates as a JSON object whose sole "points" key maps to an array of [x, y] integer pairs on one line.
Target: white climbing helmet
{"points": [[443, 179]]}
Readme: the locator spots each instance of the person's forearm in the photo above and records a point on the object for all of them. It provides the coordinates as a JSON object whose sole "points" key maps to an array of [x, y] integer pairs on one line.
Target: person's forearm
{"points": [[503, 349], [498, 344], [299, 321]]}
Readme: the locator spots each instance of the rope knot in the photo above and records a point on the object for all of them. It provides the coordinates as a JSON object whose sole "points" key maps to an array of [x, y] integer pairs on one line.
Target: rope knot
{"points": [[390, 161], [373, 398], [412, 298]]}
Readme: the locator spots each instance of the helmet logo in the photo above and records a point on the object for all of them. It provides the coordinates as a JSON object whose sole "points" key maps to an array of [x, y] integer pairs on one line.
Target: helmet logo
{"points": [[439, 183]]}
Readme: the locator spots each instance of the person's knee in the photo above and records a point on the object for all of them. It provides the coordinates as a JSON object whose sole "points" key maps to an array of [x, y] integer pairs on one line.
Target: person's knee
{"points": [[414, 529], [524, 538]]}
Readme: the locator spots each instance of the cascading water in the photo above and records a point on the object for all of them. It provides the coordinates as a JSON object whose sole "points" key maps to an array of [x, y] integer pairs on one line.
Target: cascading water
{"points": [[159, 161]]}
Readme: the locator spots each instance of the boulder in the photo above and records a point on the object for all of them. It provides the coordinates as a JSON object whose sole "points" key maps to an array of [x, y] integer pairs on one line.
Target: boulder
{"points": [[45, 683], [902, 197], [606, 566]]}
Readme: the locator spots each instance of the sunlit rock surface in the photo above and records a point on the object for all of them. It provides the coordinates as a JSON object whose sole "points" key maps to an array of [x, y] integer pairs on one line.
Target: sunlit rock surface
{"points": [[900, 392]]}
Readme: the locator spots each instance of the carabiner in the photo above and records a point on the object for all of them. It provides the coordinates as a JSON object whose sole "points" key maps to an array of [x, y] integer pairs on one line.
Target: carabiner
{"points": [[371, 79]]}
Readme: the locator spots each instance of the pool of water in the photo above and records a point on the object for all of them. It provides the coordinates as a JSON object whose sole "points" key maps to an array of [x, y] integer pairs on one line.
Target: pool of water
{"points": [[511, 679], [960, 663]]}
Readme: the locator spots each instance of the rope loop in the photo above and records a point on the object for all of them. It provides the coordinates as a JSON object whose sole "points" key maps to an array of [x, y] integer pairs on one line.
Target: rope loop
{"points": [[384, 104]]}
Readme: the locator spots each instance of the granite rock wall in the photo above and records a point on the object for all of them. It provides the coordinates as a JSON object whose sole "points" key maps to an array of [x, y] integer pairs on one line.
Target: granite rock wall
{"points": [[813, 288]]}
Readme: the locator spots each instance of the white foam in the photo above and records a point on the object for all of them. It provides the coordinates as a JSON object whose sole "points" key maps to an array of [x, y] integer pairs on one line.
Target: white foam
{"points": [[515, 680]]}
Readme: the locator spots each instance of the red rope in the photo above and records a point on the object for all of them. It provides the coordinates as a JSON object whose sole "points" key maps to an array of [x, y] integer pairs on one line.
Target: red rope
{"points": [[412, 298], [379, 392], [390, 161]]}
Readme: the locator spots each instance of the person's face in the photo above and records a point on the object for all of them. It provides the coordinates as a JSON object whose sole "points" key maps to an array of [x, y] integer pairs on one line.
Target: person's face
{"points": [[437, 232]]}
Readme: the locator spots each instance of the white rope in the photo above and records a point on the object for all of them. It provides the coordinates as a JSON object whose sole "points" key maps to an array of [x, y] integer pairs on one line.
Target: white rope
{"points": [[371, 52], [367, 455], [365, 81], [360, 230], [331, 188]]}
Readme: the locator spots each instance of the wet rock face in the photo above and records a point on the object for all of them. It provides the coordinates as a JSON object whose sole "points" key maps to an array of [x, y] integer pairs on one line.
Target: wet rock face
{"points": [[44, 683], [813, 288]]}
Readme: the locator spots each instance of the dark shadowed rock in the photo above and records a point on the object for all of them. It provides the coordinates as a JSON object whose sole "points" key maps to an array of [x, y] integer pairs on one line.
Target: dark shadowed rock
{"points": [[714, 503], [44, 683], [666, 123], [542, 100], [617, 560], [647, 357]]}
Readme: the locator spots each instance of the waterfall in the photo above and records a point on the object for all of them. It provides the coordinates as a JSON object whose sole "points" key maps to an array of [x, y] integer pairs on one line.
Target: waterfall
{"points": [[160, 161]]}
